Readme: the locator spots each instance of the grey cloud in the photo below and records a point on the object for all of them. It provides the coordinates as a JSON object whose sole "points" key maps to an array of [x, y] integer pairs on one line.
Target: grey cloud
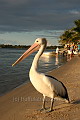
{"points": [[6, 41], [29, 15]]}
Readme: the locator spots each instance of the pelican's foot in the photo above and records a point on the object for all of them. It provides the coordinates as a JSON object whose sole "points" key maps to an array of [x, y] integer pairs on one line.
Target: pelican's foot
{"points": [[50, 110], [67, 101], [42, 109]]}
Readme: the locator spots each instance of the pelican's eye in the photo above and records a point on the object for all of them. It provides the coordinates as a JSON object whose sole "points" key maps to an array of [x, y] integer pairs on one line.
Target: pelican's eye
{"points": [[37, 41]]}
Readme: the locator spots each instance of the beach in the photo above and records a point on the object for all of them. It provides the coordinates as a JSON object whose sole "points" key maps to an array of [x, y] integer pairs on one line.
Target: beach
{"points": [[23, 103]]}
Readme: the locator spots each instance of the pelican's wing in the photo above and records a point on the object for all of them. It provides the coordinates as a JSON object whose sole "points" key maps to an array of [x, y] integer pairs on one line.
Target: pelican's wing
{"points": [[56, 86]]}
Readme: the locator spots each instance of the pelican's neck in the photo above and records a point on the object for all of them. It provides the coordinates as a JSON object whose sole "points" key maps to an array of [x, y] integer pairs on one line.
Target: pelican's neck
{"points": [[36, 58]]}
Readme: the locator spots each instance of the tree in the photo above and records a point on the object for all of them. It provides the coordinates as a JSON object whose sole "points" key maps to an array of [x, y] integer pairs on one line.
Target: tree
{"points": [[72, 35]]}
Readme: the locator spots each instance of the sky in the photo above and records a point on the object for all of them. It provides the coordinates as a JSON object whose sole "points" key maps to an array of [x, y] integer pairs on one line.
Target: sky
{"points": [[22, 21]]}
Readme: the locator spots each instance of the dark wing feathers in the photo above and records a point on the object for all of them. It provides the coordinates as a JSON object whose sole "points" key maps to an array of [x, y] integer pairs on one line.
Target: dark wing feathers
{"points": [[61, 95]]}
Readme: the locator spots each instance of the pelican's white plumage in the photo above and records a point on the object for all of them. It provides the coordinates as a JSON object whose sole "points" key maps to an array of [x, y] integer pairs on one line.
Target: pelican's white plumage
{"points": [[45, 84]]}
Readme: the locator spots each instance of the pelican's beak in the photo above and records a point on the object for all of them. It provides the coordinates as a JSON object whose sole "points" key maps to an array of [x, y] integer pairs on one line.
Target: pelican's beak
{"points": [[32, 49]]}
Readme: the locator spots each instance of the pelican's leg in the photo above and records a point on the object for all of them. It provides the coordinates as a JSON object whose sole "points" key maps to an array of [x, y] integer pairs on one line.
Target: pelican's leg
{"points": [[43, 105], [51, 108]]}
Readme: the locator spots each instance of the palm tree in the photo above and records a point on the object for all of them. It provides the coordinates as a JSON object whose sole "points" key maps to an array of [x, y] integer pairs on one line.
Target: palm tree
{"points": [[72, 35]]}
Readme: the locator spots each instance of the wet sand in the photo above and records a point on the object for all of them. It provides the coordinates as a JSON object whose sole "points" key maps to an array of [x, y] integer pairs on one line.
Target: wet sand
{"points": [[24, 102]]}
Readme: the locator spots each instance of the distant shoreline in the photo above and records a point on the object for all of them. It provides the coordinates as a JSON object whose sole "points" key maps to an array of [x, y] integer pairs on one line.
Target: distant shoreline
{"points": [[24, 46], [14, 46]]}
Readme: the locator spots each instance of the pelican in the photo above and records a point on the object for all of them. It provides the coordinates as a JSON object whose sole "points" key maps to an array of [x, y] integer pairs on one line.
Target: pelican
{"points": [[45, 84]]}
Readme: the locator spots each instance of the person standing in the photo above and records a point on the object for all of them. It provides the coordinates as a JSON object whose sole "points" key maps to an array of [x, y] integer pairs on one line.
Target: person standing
{"points": [[57, 51], [78, 48]]}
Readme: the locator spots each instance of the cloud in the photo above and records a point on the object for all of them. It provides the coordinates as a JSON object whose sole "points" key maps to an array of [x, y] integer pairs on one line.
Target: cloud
{"points": [[75, 12], [36, 15], [6, 41]]}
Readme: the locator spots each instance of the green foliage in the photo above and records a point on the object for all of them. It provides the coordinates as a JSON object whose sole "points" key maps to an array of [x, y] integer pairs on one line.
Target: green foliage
{"points": [[72, 35]]}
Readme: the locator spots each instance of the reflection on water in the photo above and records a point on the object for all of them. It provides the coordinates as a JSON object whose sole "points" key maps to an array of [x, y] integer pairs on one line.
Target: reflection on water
{"points": [[56, 60], [47, 63], [46, 59]]}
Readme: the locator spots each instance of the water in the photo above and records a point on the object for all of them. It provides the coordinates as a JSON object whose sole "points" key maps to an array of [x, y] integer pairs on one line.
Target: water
{"points": [[12, 77]]}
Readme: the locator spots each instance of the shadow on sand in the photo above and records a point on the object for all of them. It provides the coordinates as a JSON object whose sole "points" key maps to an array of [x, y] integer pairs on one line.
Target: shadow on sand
{"points": [[76, 102]]}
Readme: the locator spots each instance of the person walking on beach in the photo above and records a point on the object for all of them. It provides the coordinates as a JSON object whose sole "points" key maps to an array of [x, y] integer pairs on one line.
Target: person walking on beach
{"points": [[57, 51], [70, 49], [78, 48]]}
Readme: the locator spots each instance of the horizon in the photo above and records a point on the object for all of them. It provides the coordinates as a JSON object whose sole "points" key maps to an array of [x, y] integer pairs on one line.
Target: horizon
{"points": [[52, 37]]}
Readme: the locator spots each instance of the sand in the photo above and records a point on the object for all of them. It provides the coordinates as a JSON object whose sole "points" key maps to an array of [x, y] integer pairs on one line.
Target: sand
{"points": [[24, 102]]}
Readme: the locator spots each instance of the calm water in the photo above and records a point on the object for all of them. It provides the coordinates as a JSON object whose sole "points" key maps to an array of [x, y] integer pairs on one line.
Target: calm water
{"points": [[12, 77]]}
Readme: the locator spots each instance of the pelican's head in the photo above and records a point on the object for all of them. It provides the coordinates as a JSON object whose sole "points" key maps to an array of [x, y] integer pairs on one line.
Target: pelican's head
{"points": [[37, 44], [41, 41]]}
